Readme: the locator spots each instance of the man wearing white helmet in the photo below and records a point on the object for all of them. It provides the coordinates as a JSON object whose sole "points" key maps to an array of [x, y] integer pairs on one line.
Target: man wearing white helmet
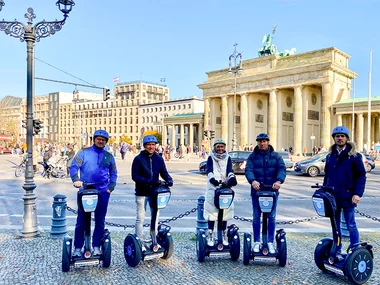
{"points": [[219, 168]]}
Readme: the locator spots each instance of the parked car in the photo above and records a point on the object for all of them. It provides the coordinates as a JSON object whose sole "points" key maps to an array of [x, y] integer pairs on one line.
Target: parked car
{"points": [[238, 159], [312, 166], [315, 165], [371, 162], [287, 157]]}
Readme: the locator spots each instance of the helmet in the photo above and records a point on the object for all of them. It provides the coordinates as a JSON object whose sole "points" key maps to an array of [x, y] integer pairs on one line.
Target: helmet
{"points": [[219, 141], [101, 133], [262, 136], [149, 138], [340, 130]]}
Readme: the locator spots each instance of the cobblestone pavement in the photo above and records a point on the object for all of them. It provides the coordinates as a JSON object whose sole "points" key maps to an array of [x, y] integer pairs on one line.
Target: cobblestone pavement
{"points": [[38, 261]]}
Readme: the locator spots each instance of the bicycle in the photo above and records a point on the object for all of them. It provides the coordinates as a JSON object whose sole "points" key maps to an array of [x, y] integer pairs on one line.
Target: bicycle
{"points": [[179, 155], [20, 169]]}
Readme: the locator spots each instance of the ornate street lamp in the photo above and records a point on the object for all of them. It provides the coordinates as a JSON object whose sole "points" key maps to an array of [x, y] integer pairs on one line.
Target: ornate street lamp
{"points": [[30, 34], [238, 66]]}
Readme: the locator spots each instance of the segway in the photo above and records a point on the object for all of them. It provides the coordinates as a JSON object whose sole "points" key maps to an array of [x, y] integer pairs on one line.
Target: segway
{"points": [[161, 244], [87, 200], [224, 196], [357, 263], [267, 200]]}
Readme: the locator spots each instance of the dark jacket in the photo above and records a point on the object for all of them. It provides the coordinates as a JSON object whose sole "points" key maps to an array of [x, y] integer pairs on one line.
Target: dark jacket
{"points": [[265, 167], [346, 173], [146, 170]]}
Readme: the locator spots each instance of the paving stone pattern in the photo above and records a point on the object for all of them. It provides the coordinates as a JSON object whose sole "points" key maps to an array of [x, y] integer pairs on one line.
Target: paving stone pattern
{"points": [[38, 261]]}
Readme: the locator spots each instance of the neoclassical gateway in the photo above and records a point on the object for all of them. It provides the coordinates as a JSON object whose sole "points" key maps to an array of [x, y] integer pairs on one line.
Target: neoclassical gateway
{"points": [[293, 98]]}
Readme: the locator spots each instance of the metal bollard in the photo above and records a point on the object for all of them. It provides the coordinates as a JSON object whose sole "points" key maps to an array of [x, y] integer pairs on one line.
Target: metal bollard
{"points": [[58, 225], [201, 222], [343, 226]]}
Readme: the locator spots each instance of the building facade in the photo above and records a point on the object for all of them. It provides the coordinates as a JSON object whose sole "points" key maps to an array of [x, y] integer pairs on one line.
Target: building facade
{"points": [[291, 98]]}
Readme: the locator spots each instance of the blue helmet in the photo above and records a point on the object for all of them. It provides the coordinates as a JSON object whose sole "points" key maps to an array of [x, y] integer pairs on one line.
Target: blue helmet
{"points": [[101, 133], [340, 130], [262, 136], [149, 138]]}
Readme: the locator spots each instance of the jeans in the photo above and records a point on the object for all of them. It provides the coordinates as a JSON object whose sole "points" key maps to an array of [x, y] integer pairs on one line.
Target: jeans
{"points": [[256, 219], [349, 216], [141, 204], [100, 216]]}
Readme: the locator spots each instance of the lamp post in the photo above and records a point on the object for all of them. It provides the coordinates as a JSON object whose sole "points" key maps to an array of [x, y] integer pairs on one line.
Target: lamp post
{"points": [[235, 68], [30, 34]]}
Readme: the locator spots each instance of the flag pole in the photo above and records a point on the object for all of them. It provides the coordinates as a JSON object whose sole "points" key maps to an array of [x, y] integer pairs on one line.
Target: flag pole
{"points": [[369, 103]]}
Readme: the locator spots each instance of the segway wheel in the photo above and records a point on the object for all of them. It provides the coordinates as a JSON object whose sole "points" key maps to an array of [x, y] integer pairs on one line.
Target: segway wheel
{"points": [[359, 266], [201, 246], [247, 248], [66, 254], [322, 251], [132, 250], [168, 246], [107, 249], [235, 247], [282, 251]]}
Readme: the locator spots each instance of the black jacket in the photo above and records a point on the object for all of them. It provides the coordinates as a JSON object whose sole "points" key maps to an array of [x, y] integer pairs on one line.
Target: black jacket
{"points": [[146, 170]]}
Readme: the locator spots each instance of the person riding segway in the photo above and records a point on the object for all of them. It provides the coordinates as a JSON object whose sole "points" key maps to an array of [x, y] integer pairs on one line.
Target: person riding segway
{"points": [[265, 172], [93, 164], [343, 187], [146, 169], [219, 206]]}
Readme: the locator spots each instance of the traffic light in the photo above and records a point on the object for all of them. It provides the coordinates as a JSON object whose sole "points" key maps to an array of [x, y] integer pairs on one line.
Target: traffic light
{"points": [[37, 124], [106, 94], [212, 135], [205, 133], [24, 124]]}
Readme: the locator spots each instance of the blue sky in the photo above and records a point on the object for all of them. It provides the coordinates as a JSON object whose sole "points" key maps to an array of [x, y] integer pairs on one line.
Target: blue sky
{"points": [[180, 40]]}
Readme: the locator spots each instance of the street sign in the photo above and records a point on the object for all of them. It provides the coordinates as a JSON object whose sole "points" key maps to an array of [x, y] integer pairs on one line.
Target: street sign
{"points": [[312, 137]]}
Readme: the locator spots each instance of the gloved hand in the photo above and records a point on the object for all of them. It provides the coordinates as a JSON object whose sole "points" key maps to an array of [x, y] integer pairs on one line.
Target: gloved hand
{"points": [[152, 182], [214, 182], [232, 182], [169, 183]]}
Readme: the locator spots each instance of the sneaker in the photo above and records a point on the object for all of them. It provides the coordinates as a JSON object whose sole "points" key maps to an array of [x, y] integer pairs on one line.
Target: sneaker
{"points": [[210, 238], [225, 238], [256, 247], [96, 251], [77, 252], [271, 248]]}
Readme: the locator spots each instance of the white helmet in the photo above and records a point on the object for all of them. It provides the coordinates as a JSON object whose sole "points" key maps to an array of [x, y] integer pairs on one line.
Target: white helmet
{"points": [[219, 141]]}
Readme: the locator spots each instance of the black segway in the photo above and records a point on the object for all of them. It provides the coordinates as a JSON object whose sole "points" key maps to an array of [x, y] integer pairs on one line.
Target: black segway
{"points": [[224, 196], [161, 244], [357, 263], [87, 200], [267, 200]]}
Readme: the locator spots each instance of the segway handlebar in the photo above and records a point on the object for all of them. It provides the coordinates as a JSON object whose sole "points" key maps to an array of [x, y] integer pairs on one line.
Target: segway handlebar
{"points": [[88, 184], [329, 189]]}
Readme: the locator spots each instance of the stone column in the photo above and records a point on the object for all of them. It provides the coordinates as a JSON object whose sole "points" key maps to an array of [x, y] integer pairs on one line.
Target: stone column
{"points": [[377, 129], [200, 135], [373, 131], [339, 120], [297, 123], [181, 134], [164, 135], [243, 120], [173, 142], [325, 118], [225, 134], [191, 136], [272, 118], [206, 116], [360, 132]]}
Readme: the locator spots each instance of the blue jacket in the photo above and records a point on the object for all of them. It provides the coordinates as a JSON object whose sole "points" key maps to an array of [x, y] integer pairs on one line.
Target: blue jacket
{"points": [[346, 173], [146, 170], [265, 167], [94, 165]]}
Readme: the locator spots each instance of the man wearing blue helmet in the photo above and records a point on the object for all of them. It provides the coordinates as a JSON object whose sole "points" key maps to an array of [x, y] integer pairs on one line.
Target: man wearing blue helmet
{"points": [[95, 165], [146, 169], [344, 170]]}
